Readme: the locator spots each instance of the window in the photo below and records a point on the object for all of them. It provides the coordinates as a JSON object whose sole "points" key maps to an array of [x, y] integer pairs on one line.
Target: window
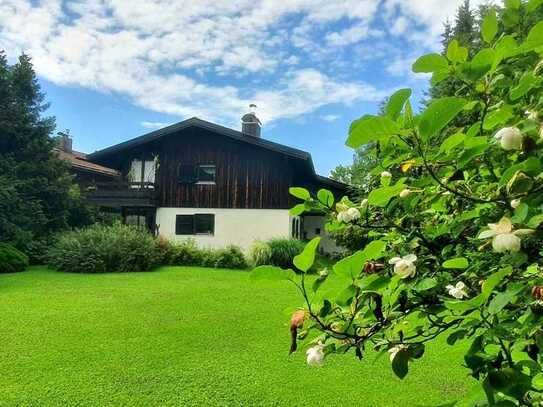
{"points": [[199, 224], [142, 172], [206, 174], [185, 174], [201, 174]]}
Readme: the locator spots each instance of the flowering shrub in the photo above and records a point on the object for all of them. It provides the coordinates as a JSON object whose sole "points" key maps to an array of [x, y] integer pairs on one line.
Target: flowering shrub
{"points": [[454, 227]]}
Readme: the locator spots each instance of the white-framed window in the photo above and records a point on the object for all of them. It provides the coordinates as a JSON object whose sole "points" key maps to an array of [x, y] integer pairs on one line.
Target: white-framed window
{"points": [[206, 174], [142, 172]]}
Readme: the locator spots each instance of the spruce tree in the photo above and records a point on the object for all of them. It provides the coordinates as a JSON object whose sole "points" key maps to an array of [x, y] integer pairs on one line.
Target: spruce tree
{"points": [[36, 188]]}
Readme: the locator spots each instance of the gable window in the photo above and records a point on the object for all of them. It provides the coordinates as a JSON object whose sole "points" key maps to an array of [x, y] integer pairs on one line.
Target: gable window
{"points": [[203, 174], [198, 224], [206, 174], [142, 173], [186, 174]]}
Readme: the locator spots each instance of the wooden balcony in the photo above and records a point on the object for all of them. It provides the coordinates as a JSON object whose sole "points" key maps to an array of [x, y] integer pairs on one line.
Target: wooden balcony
{"points": [[121, 194]]}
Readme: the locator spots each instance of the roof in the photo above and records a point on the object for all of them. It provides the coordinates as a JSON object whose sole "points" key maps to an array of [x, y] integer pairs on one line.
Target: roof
{"points": [[225, 131], [79, 161]]}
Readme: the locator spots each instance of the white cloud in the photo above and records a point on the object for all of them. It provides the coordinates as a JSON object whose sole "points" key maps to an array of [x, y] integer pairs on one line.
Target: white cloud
{"points": [[330, 117], [153, 125], [212, 58]]}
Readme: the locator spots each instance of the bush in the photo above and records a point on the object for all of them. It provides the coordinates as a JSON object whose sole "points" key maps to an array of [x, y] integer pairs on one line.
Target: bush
{"points": [[100, 248], [11, 259], [260, 254], [187, 253], [277, 252], [230, 257]]}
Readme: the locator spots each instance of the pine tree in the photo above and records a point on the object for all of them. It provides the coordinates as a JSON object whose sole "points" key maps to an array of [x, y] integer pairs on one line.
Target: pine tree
{"points": [[35, 186]]}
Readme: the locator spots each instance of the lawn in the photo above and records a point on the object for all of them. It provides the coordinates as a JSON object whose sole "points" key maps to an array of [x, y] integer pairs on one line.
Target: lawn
{"points": [[184, 336]]}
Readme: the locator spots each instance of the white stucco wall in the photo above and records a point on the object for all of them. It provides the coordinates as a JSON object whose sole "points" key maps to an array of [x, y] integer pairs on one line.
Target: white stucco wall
{"points": [[240, 227], [311, 224]]}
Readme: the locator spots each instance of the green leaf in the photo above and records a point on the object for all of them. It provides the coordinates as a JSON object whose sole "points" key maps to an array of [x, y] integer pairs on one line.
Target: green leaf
{"points": [[374, 283], [533, 5], [430, 63], [493, 281], [297, 210], [512, 4], [481, 63], [456, 53], [438, 115], [520, 213], [426, 284], [400, 363], [497, 117], [451, 142], [350, 267], [534, 39], [326, 198], [304, 261], [300, 193], [490, 26], [531, 166], [396, 103], [382, 196], [526, 84], [371, 128], [374, 250], [456, 263], [535, 221], [500, 301], [271, 273]]}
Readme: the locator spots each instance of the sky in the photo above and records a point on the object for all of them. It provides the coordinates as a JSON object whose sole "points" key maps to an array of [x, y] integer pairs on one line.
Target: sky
{"points": [[116, 69]]}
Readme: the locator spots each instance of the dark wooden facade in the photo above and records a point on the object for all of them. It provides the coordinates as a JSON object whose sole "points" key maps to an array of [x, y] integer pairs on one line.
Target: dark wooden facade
{"points": [[247, 175]]}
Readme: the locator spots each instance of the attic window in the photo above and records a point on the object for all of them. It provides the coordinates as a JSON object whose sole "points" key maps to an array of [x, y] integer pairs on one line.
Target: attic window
{"points": [[186, 174], [205, 174]]}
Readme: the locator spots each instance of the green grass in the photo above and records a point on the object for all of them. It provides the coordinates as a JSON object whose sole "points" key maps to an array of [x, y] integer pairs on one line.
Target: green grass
{"points": [[184, 336]]}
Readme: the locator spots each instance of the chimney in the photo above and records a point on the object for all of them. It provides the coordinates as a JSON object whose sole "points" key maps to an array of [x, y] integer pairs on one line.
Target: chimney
{"points": [[250, 124], [65, 141]]}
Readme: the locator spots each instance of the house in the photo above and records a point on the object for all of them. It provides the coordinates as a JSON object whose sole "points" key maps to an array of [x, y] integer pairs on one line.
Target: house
{"points": [[196, 179]]}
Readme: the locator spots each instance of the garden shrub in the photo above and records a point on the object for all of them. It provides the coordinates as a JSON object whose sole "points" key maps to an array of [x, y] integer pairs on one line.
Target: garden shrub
{"points": [[11, 259], [187, 253], [278, 252], [455, 223], [230, 257], [100, 248], [260, 253]]}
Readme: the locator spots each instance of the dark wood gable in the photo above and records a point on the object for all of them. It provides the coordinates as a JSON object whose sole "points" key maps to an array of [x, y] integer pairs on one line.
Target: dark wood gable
{"points": [[246, 174]]}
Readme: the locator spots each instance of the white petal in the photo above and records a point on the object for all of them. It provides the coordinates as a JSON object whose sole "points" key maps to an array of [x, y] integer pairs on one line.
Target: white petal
{"points": [[521, 232], [460, 285], [410, 257], [485, 234], [394, 260]]}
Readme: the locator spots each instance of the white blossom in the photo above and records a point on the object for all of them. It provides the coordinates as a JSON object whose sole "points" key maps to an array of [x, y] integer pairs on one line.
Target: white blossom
{"points": [[343, 217], [386, 174], [405, 193], [364, 203], [504, 239], [315, 355], [532, 115], [515, 203], [323, 273], [510, 138], [395, 350], [404, 266], [353, 213], [458, 290]]}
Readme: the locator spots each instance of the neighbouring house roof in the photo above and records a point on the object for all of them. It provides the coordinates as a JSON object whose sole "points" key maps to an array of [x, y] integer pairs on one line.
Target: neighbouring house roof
{"points": [[79, 161], [225, 131]]}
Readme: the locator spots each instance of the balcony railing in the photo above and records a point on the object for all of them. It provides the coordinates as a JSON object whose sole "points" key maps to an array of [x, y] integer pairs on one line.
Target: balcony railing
{"points": [[119, 194]]}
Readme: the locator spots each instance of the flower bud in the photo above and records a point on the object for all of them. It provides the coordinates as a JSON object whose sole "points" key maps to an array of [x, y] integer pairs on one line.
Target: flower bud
{"points": [[510, 138], [515, 203], [386, 174], [537, 292], [364, 203], [405, 193]]}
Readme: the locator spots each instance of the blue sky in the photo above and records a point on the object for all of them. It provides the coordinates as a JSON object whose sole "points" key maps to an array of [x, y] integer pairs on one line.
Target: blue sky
{"points": [[116, 69]]}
